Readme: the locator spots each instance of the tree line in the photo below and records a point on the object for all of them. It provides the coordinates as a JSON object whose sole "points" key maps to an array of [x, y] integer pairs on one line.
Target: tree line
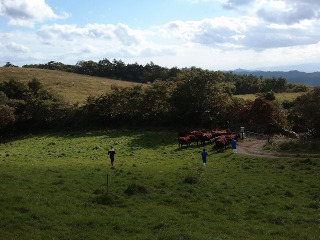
{"points": [[149, 73], [196, 98]]}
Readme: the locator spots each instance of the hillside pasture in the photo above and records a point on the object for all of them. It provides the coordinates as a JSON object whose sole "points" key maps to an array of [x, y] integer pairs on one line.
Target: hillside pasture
{"points": [[279, 96], [71, 86], [54, 186]]}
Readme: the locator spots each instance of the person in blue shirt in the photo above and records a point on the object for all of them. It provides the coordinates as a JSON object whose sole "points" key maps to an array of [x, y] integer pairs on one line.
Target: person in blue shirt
{"points": [[234, 145], [204, 155]]}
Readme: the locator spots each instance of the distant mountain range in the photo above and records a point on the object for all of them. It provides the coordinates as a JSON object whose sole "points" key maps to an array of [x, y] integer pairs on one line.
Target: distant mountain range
{"points": [[312, 79]]}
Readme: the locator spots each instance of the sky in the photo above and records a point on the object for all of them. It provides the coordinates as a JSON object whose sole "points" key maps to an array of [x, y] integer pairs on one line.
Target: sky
{"points": [[210, 34]]}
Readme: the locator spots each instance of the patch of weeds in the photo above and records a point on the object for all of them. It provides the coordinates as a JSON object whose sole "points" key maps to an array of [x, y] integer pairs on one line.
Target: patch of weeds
{"points": [[192, 213], [175, 236], [225, 200], [247, 167], [307, 161], [17, 198], [251, 214], [163, 184], [22, 209], [98, 191], [314, 146], [105, 199], [187, 195], [159, 226], [314, 205], [289, 194], [134, 188], [289, 206], [267, 147], [277, 220], [169, 201], [286, 146], [117, 228], [58, 182], [300, 146], [191, 179], [185, 168], [315, 196], [35, 217]]}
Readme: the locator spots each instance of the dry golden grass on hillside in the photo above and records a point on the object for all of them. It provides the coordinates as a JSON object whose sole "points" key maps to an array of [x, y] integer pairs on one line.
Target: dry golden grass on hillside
{"points": [[76, 87], [279, 96], [72, 87]]}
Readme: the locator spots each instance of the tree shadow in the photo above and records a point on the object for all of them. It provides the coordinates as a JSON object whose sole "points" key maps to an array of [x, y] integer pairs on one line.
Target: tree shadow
{"points": [[200, 146], [136, 138], [151, 140]]}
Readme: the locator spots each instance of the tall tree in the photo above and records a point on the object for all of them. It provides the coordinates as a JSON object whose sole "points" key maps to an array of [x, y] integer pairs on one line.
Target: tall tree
{"points": [[197, 98], [306, 111]]}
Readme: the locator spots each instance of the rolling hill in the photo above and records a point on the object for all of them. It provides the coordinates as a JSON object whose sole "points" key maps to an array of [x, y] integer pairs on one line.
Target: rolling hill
{"points": [[312, 79], [71, 86]]}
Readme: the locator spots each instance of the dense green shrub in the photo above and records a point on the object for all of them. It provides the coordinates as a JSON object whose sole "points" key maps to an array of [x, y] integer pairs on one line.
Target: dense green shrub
{"points": [[191, 179], [269, 95], [105, 199], [305, 113], [7, 116], [13, 89], [300, 145], [134, 188], [196, 98]]}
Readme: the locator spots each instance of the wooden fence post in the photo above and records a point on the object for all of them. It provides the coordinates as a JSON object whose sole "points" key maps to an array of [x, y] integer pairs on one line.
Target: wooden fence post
{"points": [[107, 183]]}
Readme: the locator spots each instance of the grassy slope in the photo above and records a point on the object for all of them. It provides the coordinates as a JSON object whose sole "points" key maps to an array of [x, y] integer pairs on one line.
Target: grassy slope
{"points": [[52, 187], [73, 87], [279, 96], [76, 88]]}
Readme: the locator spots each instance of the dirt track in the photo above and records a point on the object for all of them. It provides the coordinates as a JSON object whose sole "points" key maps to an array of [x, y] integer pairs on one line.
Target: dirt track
{"points": [[255, 148]]}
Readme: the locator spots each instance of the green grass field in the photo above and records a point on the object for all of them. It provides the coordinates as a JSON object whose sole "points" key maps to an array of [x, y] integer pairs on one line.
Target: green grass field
{"points": [[72, 87], [53, 186]]}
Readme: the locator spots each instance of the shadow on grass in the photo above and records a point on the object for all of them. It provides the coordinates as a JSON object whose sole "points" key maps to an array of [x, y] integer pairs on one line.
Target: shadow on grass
{"points": [[208, 146], [151, 140], [140, 138]]}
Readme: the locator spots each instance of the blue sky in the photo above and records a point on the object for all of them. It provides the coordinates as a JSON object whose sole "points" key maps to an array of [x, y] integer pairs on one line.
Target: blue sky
{"points": [[211, 34]]}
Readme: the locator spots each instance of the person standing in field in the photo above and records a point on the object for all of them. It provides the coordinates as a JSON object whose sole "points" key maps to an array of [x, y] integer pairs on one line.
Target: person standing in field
{"points": [[204, 155], [234, 145], [111, 153]]}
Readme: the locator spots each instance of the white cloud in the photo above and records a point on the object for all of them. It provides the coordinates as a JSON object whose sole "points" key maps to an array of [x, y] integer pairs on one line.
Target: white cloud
{"points": [[249, 40], [274, 11], [244, 32], [126, 35], [289, 16], [14, 47], [121, 33], [209, 32], [27, 12]]}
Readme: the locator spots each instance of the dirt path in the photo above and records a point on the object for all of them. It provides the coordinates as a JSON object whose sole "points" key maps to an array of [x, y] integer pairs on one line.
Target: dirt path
{"points": [[255, 148]]}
